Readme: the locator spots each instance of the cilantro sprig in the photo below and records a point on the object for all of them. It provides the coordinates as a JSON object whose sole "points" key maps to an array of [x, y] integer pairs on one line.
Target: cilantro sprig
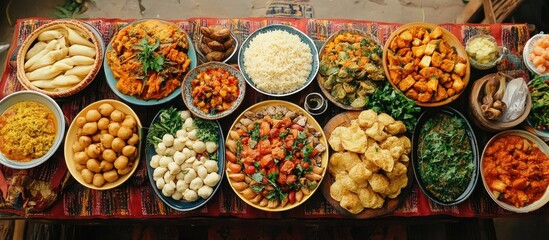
{"points": [[149, 58], [389, 101]]}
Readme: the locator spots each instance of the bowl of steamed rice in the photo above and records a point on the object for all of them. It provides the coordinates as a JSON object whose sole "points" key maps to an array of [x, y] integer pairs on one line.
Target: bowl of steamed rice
{"points": [[278, 60]]}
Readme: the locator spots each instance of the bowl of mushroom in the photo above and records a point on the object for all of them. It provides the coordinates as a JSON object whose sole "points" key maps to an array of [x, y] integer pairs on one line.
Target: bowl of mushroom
{"points": [[102, 145], [60, 58], [185, 158]]}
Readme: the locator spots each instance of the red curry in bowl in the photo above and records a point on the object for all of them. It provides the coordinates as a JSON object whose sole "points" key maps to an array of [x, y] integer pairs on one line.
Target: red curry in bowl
{"points": [[515, 170]]}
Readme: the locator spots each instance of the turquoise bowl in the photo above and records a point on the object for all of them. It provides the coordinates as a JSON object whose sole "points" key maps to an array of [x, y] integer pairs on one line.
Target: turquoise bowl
{"points": [[111, 80]]}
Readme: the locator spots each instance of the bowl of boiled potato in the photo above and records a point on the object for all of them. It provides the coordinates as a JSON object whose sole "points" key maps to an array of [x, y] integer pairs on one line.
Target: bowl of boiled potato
{"points": [[483, 51], [102, 144]]}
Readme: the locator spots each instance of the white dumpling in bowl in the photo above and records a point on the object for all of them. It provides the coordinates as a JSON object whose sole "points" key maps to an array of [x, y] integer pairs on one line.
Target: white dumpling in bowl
{"points": [[205, 191]]}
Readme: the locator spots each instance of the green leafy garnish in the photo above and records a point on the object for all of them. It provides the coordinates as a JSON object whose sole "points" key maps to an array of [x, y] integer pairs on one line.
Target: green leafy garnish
{"points": [[257, 188], [170, 121], [539, 91], [149, 58], [258, 177], [389, 101], [445, 157], [206, 130], [307, 150], [301, 136]]}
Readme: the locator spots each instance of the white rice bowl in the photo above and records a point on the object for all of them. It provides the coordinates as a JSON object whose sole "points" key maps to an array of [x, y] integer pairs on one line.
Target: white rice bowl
{"points": [[278, 62]]}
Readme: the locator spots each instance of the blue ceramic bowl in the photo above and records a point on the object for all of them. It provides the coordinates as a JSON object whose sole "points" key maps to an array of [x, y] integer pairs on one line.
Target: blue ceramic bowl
{"points": [[292, 30], [111, 80], [181, 205], [187, 90]]}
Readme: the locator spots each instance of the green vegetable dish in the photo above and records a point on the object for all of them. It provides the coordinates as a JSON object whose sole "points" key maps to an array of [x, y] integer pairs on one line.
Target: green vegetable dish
{"points": [[539, 115], [445, 157], [350, 64]]}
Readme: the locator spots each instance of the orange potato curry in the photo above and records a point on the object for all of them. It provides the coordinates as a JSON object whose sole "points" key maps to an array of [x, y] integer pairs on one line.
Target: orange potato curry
{"points": [[424, 66], [27, 131], [149, 59], [516, 170]]}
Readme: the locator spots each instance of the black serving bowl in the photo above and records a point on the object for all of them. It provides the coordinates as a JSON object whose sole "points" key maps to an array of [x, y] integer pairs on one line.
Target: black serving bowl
{"points": [[415, 158]]}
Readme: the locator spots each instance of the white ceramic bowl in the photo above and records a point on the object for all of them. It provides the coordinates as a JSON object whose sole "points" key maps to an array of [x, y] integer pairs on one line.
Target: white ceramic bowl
{"points": [[542, 146], [289, 29], [528, 48], [22, 96], [483, 66]]}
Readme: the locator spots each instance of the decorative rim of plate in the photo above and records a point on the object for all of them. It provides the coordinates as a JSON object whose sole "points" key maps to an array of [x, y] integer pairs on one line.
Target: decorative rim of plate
{"points": [[61, 124], [448, 34], [96, 39], [323, 140], [474, 148], [329, 39], [292, 30], [542, 147], [149, 152], [111, 80], [68, 153], [187, 89]]}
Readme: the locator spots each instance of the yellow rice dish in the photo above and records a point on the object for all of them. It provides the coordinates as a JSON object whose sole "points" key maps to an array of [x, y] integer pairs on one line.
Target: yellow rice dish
{"points": [[27, 131]]}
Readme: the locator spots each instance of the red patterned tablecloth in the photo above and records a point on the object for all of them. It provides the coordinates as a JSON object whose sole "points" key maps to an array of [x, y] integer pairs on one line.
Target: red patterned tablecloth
{"points": [[136, 198]]}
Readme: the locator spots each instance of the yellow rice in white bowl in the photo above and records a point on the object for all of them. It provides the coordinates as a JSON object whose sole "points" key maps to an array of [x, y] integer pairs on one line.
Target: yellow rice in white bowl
{"points": [[278, 62]]}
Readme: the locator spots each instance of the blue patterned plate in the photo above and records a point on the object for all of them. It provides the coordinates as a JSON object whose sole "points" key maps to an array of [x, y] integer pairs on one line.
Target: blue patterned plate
{"points": [[292, 30], [187, 90]]}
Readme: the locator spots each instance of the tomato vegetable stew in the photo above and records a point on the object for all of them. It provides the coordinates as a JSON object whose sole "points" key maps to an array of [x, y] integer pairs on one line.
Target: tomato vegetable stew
{"points": [[445, 162], [274, 157], [214, 90], [515, 170]]}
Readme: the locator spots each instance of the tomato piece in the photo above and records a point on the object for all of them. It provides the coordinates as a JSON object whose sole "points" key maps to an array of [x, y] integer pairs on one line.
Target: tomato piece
{"points": [[296, 127], [234, 167], [230, 156], [264, 129], [250, 169], [291, 179], [287, 167], [275, 132], [305, 165], [266, 161], [281, 178], [291, 197]]}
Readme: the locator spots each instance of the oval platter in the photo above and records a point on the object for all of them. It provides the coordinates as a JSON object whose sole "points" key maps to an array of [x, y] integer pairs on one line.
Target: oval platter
{"points": [[474, 148], [178, 204]]}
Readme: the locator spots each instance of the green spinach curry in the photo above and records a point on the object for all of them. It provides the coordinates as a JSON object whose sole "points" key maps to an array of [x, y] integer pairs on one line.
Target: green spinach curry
{"points": [[445, 157]]}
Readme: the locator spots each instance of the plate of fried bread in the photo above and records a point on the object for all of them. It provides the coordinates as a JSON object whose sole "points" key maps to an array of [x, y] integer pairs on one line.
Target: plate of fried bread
{"points": [[369, 170]]}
